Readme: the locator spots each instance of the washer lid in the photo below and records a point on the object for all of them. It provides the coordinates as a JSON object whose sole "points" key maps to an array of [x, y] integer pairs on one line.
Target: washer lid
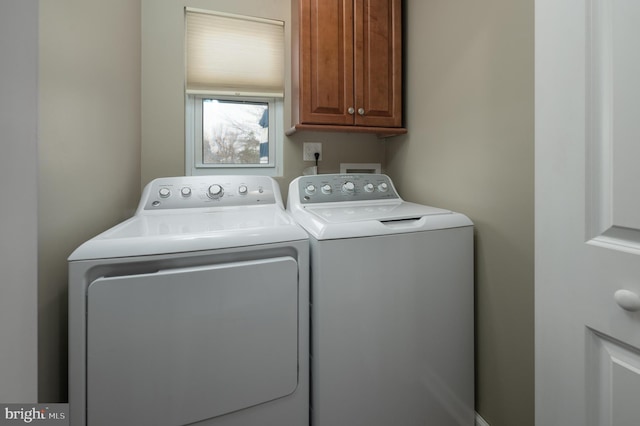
{"points": [[381, 211], [204, 229], [362, 219]]}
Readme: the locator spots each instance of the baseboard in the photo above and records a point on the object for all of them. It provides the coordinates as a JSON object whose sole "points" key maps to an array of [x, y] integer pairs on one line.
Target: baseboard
{"points": [[480, 421]]}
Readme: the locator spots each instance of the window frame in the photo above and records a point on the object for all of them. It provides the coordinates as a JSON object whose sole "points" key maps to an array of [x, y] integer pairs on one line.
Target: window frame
{"points": [[194, 165]]}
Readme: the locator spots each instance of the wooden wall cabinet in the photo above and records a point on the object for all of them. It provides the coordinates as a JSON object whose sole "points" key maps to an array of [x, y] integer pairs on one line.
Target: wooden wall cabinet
{"points": [[347, 66]]}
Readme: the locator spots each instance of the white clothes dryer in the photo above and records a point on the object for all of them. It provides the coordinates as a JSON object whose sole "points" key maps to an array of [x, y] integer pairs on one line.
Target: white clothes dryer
{"points": [[193, 311], [392, 340]]}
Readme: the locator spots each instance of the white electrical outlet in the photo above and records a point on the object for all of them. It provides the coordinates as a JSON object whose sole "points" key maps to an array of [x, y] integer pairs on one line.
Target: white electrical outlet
{"points": [[309, 149]]}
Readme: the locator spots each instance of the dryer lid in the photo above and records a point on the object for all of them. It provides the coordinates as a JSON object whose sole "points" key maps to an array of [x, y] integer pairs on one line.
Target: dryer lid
{"points": [[144, 235], [194, 213]]}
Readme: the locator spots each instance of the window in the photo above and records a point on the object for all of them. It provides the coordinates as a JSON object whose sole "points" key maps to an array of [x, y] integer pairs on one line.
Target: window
{"points": [[232, 133], [234, 94]]}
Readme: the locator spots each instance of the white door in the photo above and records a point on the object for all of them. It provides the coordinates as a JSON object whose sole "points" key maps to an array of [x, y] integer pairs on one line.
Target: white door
{"points": [[587, 212]]}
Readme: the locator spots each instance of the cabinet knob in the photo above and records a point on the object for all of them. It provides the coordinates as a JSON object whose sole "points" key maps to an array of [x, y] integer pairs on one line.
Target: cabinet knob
{"points": [[361, 111], [351, 110]]}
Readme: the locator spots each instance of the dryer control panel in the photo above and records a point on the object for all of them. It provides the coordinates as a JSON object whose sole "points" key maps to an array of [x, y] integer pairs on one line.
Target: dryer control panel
{"points": [[208, 191], [349, 187]]}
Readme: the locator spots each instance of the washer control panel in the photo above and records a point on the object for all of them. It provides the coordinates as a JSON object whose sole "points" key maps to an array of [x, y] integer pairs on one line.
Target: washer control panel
{"points": [[208, 191], [351, 187]]}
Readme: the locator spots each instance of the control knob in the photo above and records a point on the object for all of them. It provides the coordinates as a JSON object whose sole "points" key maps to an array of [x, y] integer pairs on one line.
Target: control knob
{"points": [[369, 187], [383, 187], [326, 189], [242, 190], [215, 191], [186, 191], [348, 187], [164, 192], [310, 189]]}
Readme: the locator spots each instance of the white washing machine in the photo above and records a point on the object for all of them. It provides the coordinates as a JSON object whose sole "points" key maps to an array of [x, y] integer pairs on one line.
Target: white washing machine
{"points": [[193, 311], [392, 338]]}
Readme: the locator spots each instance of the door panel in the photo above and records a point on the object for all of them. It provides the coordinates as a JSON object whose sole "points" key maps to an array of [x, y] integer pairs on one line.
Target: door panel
{"points": [[587, 212], [378, 57], [184, 345], [613, 125], [615, 382], [327, 61]]}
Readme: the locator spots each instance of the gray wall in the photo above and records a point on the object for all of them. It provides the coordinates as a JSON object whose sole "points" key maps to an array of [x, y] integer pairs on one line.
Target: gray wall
{"points": [[18, 192], [469, 111], [89, 150]]}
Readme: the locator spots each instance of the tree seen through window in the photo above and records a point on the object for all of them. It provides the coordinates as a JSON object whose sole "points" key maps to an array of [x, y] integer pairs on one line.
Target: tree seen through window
{"points": [[235, 132]]}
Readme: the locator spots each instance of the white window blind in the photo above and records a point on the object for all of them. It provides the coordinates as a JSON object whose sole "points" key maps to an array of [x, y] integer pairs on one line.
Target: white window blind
{"points": [[232, 54]]}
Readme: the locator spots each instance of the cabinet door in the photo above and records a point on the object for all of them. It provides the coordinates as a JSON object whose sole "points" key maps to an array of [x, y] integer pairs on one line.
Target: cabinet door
{"points": [[326, 61], [378, 63]]}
